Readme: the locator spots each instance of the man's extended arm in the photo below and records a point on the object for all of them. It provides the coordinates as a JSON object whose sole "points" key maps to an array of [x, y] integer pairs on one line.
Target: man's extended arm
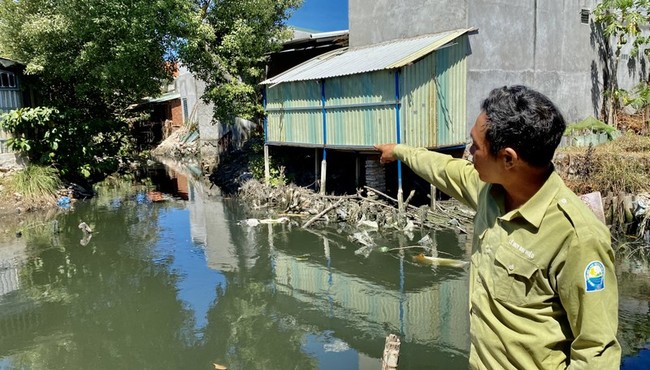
{"points": [[455, 177]]}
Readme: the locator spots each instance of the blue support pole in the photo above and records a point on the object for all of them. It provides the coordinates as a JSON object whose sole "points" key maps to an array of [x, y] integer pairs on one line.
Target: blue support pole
{"points": [[324, 113], [399, 136]]}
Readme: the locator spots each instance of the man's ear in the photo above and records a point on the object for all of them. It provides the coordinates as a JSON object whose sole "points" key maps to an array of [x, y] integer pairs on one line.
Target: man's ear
{"points": [[510, 157]]}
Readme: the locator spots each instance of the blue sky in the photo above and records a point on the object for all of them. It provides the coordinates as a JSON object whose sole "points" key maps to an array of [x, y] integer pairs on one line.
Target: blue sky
{"points": [[321, 15]]}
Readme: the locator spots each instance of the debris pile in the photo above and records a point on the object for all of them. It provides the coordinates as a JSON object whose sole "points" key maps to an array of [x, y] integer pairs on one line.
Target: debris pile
{"points": [[368, 209], [182, 143]]}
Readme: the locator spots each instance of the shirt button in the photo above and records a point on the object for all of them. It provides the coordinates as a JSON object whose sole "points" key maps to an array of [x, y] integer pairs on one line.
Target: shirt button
{"points": [[563, 201], [511, 267]]}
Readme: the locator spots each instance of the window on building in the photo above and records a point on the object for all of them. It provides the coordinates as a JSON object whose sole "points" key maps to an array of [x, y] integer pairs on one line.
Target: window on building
{"points": [[584, 16], [7, 80]]}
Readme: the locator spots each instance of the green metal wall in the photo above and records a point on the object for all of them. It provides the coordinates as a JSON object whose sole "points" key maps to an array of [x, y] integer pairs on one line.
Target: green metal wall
{"points": [[451, 87], [360, 109], [419, 103], [366, 113], [294, 113]]}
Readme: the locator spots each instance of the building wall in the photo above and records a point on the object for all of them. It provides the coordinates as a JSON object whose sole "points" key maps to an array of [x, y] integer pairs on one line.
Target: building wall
{"points": [[542, 44], [373, 22], [215, 137], [194, 110], [177, 113], [191, 89]]}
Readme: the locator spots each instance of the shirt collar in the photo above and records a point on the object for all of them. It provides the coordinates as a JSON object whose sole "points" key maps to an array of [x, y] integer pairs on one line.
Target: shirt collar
{"points": [[535, 208]]}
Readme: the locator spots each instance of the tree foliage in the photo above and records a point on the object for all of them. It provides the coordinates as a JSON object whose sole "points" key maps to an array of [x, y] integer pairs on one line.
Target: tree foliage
{"points": [[622, 22], [230, 48], [91, 59]]}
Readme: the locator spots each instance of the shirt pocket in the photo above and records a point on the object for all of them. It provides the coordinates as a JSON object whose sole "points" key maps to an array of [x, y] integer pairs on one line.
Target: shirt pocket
{"points": [[513, 276]]}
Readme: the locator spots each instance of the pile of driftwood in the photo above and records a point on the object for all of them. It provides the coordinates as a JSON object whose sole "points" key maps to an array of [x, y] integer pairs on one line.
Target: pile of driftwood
{"points": [[369, 209]]}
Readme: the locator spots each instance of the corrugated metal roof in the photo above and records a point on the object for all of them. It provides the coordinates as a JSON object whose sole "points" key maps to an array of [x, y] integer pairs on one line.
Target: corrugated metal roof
{"points": [[389, 55], [164, 97], [6, 63]]}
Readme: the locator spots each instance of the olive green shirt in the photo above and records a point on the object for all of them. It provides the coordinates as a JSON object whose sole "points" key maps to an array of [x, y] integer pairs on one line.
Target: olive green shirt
{"points": [[543, 291]]}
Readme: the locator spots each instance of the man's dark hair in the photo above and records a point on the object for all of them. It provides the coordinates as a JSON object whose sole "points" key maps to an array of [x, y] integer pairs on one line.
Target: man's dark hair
{"points": [[524, 120]]}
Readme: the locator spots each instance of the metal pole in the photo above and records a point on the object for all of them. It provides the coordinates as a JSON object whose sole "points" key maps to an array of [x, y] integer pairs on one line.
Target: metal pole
{"points": [[400, 191]]}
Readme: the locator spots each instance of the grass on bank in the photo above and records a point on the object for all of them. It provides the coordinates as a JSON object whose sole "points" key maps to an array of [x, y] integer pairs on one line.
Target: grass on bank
{"points": [[34, 184], [622, 164]]}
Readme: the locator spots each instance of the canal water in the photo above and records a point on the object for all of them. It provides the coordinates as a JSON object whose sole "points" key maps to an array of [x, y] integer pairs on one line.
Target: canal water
{"points": [[184, 284]]}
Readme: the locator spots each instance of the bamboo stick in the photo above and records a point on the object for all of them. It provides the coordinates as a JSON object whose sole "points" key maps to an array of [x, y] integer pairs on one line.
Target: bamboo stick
{"points": [[306, 224]]}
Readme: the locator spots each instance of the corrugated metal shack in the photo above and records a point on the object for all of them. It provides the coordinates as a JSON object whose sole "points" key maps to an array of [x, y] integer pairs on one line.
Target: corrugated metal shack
{"points": [[409, 91]]}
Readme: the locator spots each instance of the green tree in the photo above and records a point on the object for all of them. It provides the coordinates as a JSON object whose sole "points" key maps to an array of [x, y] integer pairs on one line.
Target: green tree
{"points": [[621, 22], [91, 59], [234, 40]]}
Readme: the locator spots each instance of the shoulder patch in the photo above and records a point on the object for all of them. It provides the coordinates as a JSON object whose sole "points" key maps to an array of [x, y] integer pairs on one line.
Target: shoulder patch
{"points": [[594, 276]]}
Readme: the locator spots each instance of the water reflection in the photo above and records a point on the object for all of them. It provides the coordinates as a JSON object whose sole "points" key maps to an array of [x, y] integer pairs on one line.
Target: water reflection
{"points": [[182, 285], [634, 312]]}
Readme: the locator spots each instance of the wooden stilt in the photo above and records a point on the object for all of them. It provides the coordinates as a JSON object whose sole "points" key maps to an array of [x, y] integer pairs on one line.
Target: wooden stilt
{"points": [[357, 172], [316, 172], [400, 199], [433, 198], [267, 169], [323, 176], [391, 353]]}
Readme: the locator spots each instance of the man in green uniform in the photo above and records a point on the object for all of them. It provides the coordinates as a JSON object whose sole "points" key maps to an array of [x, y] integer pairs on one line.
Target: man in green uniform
{"points": [[543, 291]]}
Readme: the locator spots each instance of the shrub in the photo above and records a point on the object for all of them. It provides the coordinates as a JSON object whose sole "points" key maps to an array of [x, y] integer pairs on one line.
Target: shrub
{"points": [[34, 183]]}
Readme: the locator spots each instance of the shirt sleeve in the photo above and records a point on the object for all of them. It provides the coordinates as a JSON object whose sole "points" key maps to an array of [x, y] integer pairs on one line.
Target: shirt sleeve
{"points": [[589, 293], [455, 177]]}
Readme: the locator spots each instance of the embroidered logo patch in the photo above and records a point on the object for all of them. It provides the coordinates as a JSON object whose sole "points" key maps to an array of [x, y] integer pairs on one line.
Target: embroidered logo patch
{"points": [[594, 276]]}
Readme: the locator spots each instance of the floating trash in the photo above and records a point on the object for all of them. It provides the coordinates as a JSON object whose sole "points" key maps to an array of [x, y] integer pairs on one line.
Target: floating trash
{"points": [[439, 261], [141, 198], [64, 202]]}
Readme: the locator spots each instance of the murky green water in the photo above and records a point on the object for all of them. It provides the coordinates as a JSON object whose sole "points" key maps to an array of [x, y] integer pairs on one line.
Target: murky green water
{"points": [[182, 285]]}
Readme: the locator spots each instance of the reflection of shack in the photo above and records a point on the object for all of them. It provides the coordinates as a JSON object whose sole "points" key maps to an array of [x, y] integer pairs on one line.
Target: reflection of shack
{"points": [[17, 316], [435, 314], [11, 258]]}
